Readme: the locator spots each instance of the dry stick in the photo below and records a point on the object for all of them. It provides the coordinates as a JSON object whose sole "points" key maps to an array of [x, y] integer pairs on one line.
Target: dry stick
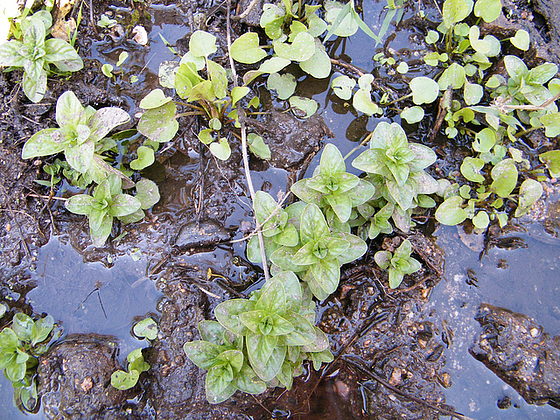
{"points": [[274, 213], [244, 145], [348, 66], [46, 197], [452, 414], [246, 12]]}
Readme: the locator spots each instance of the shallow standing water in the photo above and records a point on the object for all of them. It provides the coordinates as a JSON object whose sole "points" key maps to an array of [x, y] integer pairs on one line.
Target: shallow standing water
{"points": [[89, 297]]}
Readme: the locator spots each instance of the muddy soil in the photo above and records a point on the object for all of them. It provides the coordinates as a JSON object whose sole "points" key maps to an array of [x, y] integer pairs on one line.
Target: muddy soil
{"points": [[517, 349], [389, 346]]}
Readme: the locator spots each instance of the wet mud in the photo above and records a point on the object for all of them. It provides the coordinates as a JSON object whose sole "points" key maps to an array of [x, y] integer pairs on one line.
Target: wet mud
{"points": [[390, 345]]}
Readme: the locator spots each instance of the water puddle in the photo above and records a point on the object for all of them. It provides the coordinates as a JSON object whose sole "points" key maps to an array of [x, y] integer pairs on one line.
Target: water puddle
{"points": [[524, 280]]}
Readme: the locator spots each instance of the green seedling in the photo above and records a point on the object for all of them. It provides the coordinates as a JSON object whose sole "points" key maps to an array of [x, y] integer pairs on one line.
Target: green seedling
{"points": [[396, 168], [320, 254], [20, 347], [397, 264], [36, 55], [136, 365], [109, 202], [81, 136], [260, 340]]}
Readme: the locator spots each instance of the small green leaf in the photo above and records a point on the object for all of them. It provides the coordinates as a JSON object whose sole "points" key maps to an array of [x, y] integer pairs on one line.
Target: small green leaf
{"points": [[107, 70], [551, 124], [147, 193], [218, 78], [471, 167], [155, 99], [504, 175], [122, 58], [362, 102], [146, 328], [245, 49], [450, 212], [552, 161], [41, 329], [473, 93], [516, 68], [237, 93], [529, 192], [453, 76], [124, 380], [145, 158], [521, 40], [44, 143], [489, 10], [159, 124], [481, 220], [424, 90], [309, 106], [319, 65], [221, 149], [342, 87], [485, 140], [412, 115], [402, 68], [432, 37], [257, 146], [123, 205], [284, 85], [455, 11], [202, 44], [301, 49], [22, 325]]}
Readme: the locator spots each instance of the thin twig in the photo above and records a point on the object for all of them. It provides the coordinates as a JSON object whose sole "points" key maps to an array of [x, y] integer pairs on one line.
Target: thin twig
{"points": [[544, 105], [274, 213], [46, 197], [355, 69], [363, 143], [246, 12], [244, 145]]}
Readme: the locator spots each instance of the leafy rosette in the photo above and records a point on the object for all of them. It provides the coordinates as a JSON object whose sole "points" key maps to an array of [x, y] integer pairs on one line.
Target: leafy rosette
{"points": [[278, 325], [396, 169], [221, 353], [321, 253], [80, 135], [397, 264], [332, 188], [107, 202], [35, 54]]}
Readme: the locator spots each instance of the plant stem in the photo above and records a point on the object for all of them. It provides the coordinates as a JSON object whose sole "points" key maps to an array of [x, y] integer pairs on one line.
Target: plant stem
{"points": [[241, 117]]}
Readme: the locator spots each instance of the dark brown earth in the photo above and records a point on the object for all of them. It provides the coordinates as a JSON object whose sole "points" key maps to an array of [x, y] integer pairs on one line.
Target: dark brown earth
{"points": [[388, 347], [517, 349]]}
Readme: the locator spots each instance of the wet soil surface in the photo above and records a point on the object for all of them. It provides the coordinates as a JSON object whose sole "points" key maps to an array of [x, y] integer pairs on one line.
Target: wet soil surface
{"points": [[517, 349], [390, 346]]}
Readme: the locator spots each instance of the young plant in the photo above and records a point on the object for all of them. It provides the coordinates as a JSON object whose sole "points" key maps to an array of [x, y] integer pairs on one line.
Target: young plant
{"points": [[136, 365], [321, 253], [81, 136], [35, 55], [20, 347], [108, 202], [397, 264], [221, 353], [395, 167], [333, 189], [258, 341]]}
